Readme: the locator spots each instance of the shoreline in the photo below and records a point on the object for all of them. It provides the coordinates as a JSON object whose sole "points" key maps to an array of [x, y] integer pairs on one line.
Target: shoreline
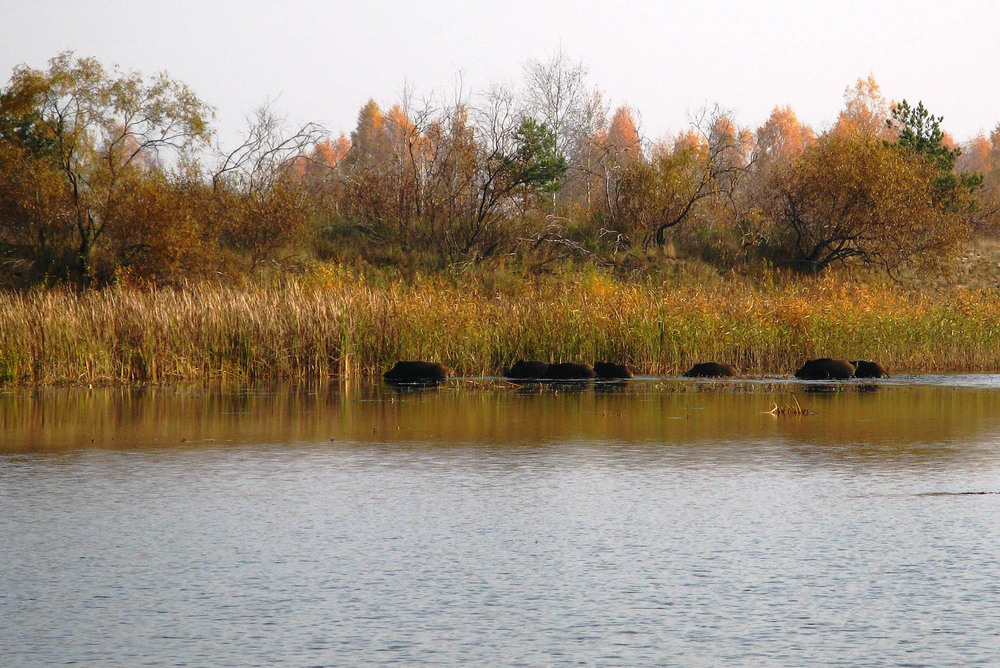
{"points": [[764, 382]]}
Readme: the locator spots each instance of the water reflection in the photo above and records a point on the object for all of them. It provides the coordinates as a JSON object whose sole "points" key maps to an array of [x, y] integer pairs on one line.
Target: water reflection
{"points": [[841, 421]]}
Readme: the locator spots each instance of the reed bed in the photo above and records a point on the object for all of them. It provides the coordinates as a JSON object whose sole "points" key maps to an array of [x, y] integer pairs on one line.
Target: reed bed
{"points": [[332, 323]]}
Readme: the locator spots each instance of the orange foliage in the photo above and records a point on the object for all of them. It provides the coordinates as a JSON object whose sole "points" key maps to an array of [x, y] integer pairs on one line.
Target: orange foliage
{"points": [[981, 154], [326, 154], [689, 141], [975, 155], [865, 111], [622, 140], [330, 152], [368, 138], [783, 137]]}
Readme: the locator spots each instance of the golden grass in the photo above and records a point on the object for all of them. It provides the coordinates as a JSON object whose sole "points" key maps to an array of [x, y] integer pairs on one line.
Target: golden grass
{"points": [[333, 323]]}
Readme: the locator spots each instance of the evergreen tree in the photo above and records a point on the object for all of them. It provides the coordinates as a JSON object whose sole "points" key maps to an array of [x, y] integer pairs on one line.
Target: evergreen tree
{"points": [[920, 132]]}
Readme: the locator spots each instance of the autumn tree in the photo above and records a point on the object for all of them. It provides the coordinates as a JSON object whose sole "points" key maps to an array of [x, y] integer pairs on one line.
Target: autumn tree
{"points": [[382, 172], [368, 141], [865, 111], [608, 154], [703, 167], [777, 143], [991, 171], [518, 158], [994, 158], [37, 229], [162, 235], [975, 155], [782, 138], [99, 130], [864, 195], [622, 141], [403, 169], [449, 167], [319, 160], [981, 155], [850, 199], [990, 194], [452, 181], [259, 207]]}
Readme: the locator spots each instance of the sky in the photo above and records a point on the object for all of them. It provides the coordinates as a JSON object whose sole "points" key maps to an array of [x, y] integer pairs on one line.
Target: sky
{"points": [[321, 61]]}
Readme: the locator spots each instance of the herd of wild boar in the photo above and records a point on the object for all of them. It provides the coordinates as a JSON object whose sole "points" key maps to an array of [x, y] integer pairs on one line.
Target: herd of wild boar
{"points": [[823, 368]]}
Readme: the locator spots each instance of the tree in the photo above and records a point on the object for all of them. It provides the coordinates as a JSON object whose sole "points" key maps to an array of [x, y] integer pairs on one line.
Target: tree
{"points": [[260, 207], [865, 111], [318, 161], [782, 138], [918, 132], [36, 218], [448, 172], [453, 181], [381, 173], [622, 140], [778, 143], [556, 92], [704, 164], [518, 157], [536, 162], [975, 156], [981, 155], [368, 139], [98, 128], [849, 199], [268, 151], [991, 172], [164, 232], [990, 193], [606, 157]]}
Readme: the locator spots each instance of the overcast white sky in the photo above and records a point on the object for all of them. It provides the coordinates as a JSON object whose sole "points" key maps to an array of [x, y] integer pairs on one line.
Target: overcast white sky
{"points": [[321, 61]]}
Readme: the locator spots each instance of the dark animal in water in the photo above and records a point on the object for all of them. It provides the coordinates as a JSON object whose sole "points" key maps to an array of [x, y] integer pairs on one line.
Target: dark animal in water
{"points": [[863, 369], [416, 372], [712, 370], [569, 371], [825, 368], [527, 370], [611, 371]]}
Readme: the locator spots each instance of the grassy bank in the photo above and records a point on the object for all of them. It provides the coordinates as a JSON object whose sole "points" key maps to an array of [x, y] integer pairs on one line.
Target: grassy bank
{"points": [[335, 323]]}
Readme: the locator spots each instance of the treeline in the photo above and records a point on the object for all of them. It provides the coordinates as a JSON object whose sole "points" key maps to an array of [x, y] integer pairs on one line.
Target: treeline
{"points": [[108, 176]]}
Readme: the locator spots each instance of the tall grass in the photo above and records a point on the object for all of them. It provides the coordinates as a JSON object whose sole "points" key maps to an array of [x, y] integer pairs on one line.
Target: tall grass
{"points": [[333, 323]]}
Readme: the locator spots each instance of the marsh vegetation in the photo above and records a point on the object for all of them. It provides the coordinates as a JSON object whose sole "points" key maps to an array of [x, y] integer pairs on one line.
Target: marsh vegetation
{"points": [[334, 323], [528, 222]]}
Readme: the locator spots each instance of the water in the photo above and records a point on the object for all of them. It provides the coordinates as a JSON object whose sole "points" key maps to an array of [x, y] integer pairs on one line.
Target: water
{"points": [[667, 522]]}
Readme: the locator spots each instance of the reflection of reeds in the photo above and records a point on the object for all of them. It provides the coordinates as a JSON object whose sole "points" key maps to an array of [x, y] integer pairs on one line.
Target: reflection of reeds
{"points": [[336, 324]]}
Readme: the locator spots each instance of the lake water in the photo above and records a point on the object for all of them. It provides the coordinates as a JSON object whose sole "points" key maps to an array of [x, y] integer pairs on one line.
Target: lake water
{"points": [[663, 522]]}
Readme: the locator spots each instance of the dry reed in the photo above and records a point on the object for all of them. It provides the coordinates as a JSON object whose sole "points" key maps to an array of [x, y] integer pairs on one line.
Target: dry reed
{"points": [[333, 323]]}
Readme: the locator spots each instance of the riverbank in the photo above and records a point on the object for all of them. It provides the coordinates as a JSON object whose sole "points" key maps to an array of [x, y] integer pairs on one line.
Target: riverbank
{"points": [[337, 323]]}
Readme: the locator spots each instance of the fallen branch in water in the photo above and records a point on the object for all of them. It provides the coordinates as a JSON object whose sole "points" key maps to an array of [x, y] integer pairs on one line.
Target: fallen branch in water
{"points": [[790, 409]]}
